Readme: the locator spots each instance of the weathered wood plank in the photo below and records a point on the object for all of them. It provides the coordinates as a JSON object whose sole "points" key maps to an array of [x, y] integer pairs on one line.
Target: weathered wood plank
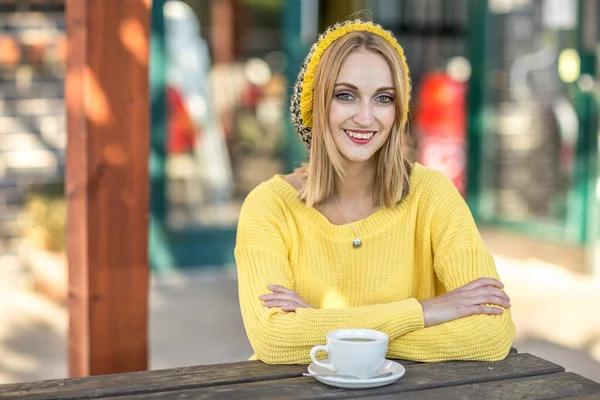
{"points": [[159, 380], [554, 386], [149, 381], [594, 396], [239, 381], [418, 377], [107, 185]]}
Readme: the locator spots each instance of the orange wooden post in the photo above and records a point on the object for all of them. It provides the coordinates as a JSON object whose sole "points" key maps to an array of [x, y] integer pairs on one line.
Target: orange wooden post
{"points": [[225, 30], [107, 185]]}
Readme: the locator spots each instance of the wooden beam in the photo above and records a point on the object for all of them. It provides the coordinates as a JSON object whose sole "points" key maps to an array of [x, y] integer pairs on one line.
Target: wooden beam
{"points": [[107, 185], [225, 30]]}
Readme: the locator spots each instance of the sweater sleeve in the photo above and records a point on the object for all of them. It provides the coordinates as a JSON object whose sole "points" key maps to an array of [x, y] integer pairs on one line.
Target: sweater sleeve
{"points": [[262, 258], [460, 257]]}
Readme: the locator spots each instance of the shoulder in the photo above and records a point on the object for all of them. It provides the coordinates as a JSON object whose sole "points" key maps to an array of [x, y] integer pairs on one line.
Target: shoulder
{"points": [[426, 182], [432, 191], [265, 192], [295, 179], [264, 214], [269, 198]]}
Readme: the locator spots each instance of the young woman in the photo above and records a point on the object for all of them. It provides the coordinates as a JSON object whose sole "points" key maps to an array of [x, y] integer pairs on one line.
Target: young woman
{"points": [[359, 237]]}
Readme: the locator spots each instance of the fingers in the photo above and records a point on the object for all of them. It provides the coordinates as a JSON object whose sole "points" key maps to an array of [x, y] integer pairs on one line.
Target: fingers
{"points": [[482, 296], [485, 310], [279, 296], [490, 299], [482, 282], [489, 291], [283, 298], [280, 289], [284, 305], [482, 293]]}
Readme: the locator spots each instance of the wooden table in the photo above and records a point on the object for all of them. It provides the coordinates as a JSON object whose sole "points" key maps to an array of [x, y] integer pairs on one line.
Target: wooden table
{"points": [[520, 376]]}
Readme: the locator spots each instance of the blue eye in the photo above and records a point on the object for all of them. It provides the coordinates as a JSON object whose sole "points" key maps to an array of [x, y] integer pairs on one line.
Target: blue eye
{"points": [[344, 96], [385, 99]]}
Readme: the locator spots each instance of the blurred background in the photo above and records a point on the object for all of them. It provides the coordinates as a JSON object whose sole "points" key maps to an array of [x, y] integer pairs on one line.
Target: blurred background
{"points": [[506, 99]]}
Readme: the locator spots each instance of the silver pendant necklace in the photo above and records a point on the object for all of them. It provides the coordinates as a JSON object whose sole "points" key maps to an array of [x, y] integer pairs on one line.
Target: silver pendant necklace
{"points": [[356, 243]]}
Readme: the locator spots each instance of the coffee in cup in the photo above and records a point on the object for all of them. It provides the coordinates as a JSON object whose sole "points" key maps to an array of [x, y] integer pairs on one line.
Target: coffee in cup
{"points": [[354, 352]]}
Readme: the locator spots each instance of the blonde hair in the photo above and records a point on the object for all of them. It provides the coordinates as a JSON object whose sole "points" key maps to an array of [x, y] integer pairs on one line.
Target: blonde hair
{"points": [[392, 173]]}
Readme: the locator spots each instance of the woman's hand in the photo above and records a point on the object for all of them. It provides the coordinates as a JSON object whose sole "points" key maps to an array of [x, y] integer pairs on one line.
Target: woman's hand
{"points": [[283, 298], [466, 300]]}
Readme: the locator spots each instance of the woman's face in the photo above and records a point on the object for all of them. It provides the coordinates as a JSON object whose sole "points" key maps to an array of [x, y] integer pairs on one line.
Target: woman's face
{"points": [[362, 111]]}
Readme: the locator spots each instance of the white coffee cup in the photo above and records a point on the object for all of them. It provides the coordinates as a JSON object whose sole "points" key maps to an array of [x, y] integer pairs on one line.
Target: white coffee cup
{"points": [[354, 352]]}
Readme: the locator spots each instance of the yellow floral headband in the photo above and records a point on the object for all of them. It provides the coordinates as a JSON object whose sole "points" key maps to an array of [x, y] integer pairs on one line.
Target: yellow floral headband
{"points": [[302, 98]]}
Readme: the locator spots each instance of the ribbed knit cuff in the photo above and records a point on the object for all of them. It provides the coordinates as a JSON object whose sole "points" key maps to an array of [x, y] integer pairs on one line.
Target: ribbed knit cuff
{"points": [[403, 317]]}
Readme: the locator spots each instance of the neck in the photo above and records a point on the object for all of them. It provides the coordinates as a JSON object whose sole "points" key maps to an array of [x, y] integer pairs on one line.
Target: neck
{"points": [[358, 185]]}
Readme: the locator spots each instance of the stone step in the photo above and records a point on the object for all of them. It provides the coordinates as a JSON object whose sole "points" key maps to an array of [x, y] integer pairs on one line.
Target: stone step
{"points": [[9, 212], [49, 140], [27, 73], [38, 89], [34, 174], [17, 182], [12, 197], [49, 20], [31, 107], [51, 128], [20, 141], [31, 161], [10, 228]]}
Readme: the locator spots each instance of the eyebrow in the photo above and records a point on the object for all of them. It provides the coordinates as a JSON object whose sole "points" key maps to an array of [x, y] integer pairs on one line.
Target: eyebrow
{"points": [[351, 86]]}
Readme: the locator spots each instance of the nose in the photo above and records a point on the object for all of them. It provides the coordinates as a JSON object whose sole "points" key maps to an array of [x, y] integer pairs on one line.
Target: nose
{"points": [[364, 114]]}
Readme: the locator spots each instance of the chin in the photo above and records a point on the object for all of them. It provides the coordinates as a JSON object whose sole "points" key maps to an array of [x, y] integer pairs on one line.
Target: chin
{"points": [[358, 156]]}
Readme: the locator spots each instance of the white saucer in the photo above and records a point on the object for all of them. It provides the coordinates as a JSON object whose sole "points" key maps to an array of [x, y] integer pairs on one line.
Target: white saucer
{"points": [[329, 378]]}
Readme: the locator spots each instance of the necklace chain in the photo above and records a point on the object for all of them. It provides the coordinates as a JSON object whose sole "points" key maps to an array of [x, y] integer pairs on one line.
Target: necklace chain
{"points": [[346, 217], [356, 243]]}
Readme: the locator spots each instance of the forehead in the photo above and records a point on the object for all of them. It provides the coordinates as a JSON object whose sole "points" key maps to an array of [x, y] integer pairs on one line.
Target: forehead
{"points": [[365, 69]]}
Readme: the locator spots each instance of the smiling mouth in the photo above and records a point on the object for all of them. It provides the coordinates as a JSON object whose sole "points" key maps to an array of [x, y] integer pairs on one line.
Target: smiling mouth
{"points": [[360, 135]]}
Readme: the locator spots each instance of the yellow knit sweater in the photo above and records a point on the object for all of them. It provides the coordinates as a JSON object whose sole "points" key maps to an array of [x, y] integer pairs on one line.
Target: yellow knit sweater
{"points": [[423, 247]]}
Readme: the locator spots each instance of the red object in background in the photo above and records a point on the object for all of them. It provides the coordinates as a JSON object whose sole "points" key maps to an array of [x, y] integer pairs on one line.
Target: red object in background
{"points": [[440, 122], [250, 95], [181, 134]]}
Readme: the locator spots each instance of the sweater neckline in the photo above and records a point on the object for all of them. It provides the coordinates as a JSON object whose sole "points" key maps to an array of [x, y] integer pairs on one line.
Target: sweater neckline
{"points": [[365, 226]]}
